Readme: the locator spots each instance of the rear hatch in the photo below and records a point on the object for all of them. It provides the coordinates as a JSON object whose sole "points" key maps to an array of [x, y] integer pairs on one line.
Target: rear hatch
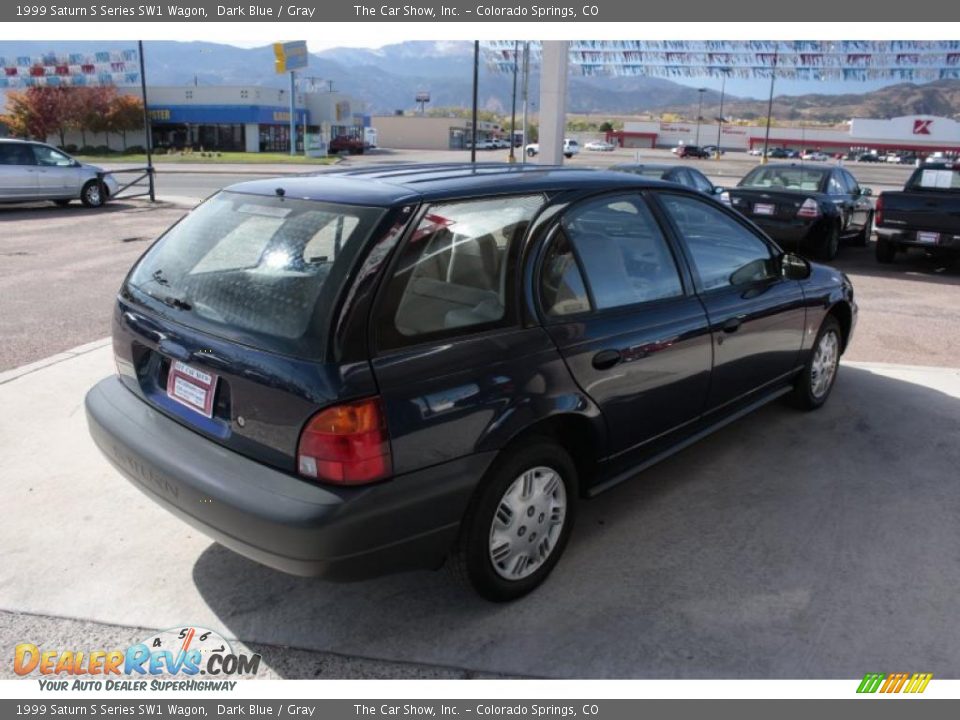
{"points": [[222, 325], [930, 201]]}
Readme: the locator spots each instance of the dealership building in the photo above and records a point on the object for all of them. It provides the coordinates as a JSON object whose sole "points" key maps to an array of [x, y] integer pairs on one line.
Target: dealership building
{"points": [[915, 133], [244, 118]]}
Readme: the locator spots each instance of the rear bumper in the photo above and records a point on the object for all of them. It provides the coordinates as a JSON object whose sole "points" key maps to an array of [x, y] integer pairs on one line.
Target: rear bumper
{"points": [[279, 520], [792, 232], [946, 241]]}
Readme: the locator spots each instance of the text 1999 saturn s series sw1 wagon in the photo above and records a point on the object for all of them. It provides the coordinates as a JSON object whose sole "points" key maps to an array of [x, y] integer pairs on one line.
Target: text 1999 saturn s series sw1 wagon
{"points": [[382, 369]]}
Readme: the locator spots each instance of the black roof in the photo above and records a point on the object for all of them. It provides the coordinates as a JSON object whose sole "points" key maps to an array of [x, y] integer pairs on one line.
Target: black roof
{"points": [[394, 184], [626, 167]]}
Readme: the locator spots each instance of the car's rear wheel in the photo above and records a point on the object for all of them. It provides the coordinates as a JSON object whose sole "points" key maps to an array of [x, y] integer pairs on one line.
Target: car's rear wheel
{"points": [[863, 237], [93, 194], [886, 251], [813, 385], [830, 243], [518, 524]]}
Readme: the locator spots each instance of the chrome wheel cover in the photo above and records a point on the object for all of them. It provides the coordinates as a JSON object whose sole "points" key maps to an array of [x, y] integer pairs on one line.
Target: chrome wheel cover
{"points": [[527, 523], [824, 366], [94, 196]]}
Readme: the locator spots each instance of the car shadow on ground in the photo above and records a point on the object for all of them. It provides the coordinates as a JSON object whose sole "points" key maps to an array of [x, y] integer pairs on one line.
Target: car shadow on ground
{"points": [[49, 211], [915, 264], [787, 545]]}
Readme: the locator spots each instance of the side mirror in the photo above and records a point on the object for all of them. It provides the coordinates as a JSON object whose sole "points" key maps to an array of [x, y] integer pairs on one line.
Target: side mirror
{"points": [[717, 190], [794, 267], [866, 191]]}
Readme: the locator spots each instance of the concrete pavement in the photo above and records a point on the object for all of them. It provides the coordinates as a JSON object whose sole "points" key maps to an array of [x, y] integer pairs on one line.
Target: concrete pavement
{"points": [[789, 545]]}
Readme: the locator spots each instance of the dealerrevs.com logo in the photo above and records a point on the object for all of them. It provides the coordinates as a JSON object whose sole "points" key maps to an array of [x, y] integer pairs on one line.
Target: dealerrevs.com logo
{"points": [[186, 658], [891, 683]]}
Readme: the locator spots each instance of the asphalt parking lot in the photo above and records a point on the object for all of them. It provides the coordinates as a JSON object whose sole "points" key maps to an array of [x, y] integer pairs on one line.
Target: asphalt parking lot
{"points": [[788, 545]]}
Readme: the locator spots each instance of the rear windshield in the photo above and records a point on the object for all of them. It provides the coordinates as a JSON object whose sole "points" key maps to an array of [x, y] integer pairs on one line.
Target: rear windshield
{"points": [[785, 178], [657, 173], [935, 179], [263, 271]]}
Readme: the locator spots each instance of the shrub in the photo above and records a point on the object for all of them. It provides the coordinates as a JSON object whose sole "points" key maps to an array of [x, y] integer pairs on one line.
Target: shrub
{"points": [[135, 150], [103, 150], [87, 150], [69, 148]]}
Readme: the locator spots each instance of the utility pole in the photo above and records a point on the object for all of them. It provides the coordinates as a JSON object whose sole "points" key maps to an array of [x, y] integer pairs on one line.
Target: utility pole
{"points": [[293, 112]]}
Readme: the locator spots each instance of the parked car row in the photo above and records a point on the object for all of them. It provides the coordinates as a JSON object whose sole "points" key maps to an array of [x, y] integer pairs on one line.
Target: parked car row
{"points": [[395, 367]]}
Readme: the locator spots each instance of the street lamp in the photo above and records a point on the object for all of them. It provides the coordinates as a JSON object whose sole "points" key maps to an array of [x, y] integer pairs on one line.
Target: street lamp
{"points": [[723, 88], [699, 114], [513, 106], [766, 137]]}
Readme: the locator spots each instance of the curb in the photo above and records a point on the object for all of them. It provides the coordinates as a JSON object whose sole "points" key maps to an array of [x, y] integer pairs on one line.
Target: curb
{"points": [[18, 372]]}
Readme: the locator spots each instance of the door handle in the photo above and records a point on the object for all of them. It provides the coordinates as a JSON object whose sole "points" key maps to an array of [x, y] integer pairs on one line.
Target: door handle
{"points": [[733, 324], [606, 359]]}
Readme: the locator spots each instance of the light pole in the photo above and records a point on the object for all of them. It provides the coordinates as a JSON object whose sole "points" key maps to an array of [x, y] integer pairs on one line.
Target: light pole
{"points": [[513, 106], [723, 88], [476, 80], [766, 137], [701, 91]]}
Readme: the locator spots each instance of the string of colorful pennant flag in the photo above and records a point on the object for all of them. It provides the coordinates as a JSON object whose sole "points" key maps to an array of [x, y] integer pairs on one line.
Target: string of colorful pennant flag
{"points": [[860, 60], [107, 67]]}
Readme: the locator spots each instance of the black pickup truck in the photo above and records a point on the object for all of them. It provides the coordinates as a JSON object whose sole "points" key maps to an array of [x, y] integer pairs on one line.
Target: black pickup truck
{"points": [[925, 214]]}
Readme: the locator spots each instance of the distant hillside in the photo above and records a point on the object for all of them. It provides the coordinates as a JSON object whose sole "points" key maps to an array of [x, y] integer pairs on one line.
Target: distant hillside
{"points": [[388, 78], [936, 98]]}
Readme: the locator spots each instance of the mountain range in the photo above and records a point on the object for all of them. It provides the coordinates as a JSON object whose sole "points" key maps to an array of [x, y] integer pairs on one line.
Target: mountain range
{"points": [[387, 79]]}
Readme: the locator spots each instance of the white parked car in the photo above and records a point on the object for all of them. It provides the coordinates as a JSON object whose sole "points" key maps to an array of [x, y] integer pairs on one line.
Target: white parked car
{"points": [[599, 146], [756, 152], [481, 145], [815, 155], [32, 171], [570, 148]]}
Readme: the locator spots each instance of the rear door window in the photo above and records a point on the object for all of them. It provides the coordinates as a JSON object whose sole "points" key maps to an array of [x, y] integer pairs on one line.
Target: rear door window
{"points": [[16, 154], [453, 275], [258, 269]]}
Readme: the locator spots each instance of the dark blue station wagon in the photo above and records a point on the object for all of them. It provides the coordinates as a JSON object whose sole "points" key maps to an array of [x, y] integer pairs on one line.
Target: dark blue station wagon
{"points": [[383, 369]]}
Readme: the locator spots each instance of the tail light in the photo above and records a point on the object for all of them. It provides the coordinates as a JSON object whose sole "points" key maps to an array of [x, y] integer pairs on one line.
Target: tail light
{"points": [[346, 444], [809, 209], [878, 212]]}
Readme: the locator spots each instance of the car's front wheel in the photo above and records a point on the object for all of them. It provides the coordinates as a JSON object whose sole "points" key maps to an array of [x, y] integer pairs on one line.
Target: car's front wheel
{"points": [[93, 194], [518, 524], [813, 385]]}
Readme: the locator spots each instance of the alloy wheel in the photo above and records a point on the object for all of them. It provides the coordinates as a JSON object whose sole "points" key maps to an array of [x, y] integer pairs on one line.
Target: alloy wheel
{"points": [[824, 367]]}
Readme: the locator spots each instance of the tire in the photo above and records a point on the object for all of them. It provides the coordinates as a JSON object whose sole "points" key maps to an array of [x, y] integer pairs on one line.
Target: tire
{"points": [[501, 513], [61, 203], [93, 194], [886, 251], [863, 237], [531, 153], [812, 388], [830, 243]]}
